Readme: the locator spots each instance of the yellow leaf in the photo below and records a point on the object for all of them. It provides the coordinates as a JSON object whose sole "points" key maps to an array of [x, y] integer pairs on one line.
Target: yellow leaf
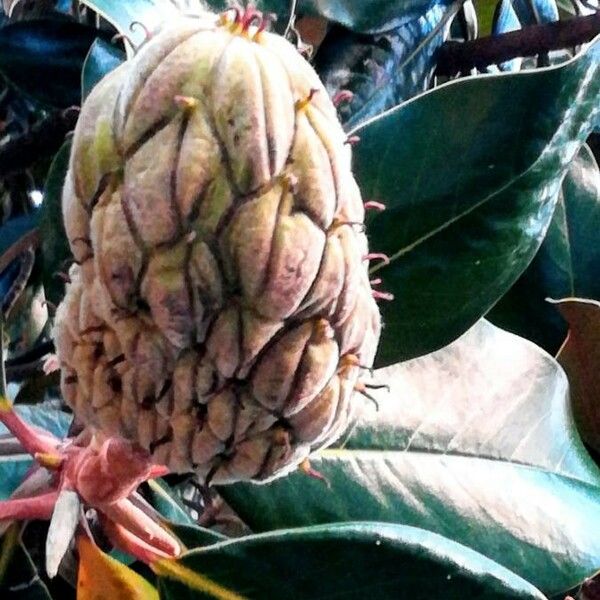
{"points": [[173, 569], [104, 578]]}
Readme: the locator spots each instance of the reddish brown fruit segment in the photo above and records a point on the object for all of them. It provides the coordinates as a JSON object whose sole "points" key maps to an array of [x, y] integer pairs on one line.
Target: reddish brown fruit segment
{"points": [[222, 278]]}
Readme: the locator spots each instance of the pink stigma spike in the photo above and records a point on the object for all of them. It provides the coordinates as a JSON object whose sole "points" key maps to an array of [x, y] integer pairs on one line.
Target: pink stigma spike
{"points": [[376, 281], [382, 295], [373, 204], [352, 140], [250, 16], [342, 97], [266, 22], [237, 14], [378, 256]]}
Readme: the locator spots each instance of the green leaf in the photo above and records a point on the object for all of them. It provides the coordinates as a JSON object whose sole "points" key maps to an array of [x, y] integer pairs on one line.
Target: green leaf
{"points": [[475, 442], [470, 173], [153, 14], [55, 245], [383, 70], [44, 58], [101, 60], [567, 264], [14, 467], [365, 17], [164, 500], [353, 560], [194, 536]]}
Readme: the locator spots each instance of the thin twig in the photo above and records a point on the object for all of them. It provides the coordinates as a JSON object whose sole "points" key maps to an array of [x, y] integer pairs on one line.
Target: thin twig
{"points": [[292, 18], [461, 57], [3, 386]]}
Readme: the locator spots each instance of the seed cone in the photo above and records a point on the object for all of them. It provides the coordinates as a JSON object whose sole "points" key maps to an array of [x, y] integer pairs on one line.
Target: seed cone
{"points": [[220, 306]]}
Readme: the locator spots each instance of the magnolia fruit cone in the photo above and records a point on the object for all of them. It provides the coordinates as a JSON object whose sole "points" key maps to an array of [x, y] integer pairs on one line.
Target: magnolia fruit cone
{"points": [[219, 312]]}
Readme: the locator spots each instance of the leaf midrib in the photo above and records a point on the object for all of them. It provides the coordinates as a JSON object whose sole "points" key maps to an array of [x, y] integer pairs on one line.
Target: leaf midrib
{"points": [[550, 147]]}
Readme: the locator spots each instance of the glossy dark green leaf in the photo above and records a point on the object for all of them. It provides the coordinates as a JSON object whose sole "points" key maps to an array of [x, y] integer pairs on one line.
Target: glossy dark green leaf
{"points": [[14, 467], [382, 70], [194, 536], [366, 17], [567, 264], [470, 173], [44, 58], [475, 442], [353, 561], [55, 246], [167, 503], [102, 58]]}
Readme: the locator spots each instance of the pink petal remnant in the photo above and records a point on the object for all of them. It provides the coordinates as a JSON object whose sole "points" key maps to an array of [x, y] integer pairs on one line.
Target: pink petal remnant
{"points": [[104, 472], [51, 364], [27, 435], [36, 507]]}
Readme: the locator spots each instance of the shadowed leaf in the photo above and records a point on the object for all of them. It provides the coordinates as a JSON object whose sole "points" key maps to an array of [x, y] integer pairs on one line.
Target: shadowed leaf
{"points": [[580, 357], [51, 51], [566, 265], [55, 246], [101, 60], [350, 561], [385, 69]]}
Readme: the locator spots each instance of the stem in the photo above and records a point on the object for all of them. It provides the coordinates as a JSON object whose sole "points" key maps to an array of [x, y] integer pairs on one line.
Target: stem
{"points": [[290, 23], [3, 386], [460, 57]]}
